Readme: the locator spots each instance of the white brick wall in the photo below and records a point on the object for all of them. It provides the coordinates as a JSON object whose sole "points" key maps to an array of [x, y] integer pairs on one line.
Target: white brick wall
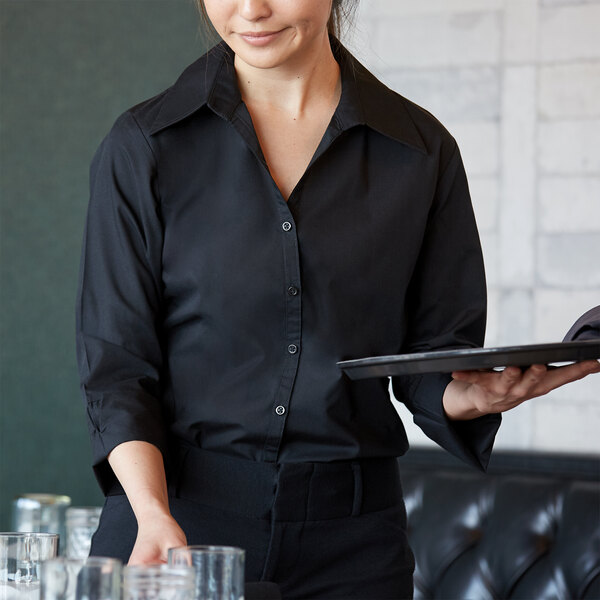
{"points": [[517, 82], [568, 32], [569, 204], [570, 90]]}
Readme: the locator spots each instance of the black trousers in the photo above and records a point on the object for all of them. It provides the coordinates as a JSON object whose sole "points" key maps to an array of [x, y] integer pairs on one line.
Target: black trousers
{"points": [[318, 530]]}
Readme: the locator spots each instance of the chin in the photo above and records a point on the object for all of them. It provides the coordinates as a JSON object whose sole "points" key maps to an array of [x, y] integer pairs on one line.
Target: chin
{"points": [[261, 58]]}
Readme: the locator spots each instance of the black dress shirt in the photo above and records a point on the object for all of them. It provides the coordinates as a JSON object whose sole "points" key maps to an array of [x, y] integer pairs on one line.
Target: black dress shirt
{"points": [[212, 312]]}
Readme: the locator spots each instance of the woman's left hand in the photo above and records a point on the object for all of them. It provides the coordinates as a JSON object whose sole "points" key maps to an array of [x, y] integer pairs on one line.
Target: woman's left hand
{"points": [[475, 393]]}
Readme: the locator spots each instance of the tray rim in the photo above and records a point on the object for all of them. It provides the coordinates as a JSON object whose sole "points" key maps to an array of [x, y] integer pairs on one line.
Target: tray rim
{"points": [[421, 360]]}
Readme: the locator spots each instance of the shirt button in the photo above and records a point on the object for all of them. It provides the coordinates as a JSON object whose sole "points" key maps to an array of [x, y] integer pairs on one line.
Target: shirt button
{"points": [[280, 410], [292, 348], [286, 225], [293, 290]]}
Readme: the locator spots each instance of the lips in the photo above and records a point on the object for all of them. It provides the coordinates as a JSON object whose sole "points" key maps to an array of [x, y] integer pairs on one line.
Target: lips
{"points": [[259, 38], [258, 33]]}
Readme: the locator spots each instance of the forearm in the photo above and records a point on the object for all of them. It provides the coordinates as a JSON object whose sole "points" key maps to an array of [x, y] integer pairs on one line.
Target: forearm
{"points": [[140, 469]]}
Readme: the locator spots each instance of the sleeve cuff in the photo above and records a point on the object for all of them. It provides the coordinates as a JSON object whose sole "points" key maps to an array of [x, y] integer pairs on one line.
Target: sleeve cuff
{"points": [[471, 441], [105, 436]]}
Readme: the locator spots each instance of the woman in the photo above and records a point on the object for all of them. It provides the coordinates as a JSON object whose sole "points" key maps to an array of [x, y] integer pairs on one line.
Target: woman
{"points": [[277, 210]]}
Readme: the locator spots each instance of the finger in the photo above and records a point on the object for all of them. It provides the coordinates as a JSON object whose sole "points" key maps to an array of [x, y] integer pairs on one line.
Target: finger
{"points": [[483, 377], [496, 382], [529, 383], [468, 376], [594, 365], [562, 375], [495, 385], [509, 378]]}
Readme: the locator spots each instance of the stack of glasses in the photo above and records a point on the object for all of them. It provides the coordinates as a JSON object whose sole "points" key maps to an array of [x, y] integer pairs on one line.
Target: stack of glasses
{"points": [[30, 570], [50, 513], [21, 555]]}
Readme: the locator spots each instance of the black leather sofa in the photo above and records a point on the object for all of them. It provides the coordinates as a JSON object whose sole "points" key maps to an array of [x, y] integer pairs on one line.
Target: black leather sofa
{"points": [[529, 528]]}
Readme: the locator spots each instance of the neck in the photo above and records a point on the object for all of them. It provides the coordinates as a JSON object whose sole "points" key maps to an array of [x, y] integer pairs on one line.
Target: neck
{"points": [[293, 86]]}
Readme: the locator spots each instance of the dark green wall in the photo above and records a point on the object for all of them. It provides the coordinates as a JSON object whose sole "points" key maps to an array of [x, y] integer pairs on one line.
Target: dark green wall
{"points": [[68, 69]]}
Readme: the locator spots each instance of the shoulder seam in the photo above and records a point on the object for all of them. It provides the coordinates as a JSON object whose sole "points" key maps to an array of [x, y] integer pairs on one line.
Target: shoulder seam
{"points": [[137, 123], [152, 152]]}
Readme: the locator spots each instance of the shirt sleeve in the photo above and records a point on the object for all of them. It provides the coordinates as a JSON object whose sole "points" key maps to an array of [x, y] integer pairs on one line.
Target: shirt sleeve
{"points": [[119, 298], [446, 309]]}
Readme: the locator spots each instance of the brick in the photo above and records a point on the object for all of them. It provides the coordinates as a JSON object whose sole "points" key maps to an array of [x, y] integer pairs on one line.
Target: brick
{"points": [[425, 7], [471, 94], [571, 90], [516, 317], [484, 195], [582, 391], [569, 147], [489, 245], [556, 310], [359, 40], [569, 32], [479, 145], [563, 425], [569, 204], [567, 2], [517, 215], [516, 432], [569, 260], [493, 317], [440, 40], [520, 38]]}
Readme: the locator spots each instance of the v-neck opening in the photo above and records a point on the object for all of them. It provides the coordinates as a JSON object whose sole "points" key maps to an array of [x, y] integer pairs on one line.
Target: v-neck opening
{"points": [[241, 115]]}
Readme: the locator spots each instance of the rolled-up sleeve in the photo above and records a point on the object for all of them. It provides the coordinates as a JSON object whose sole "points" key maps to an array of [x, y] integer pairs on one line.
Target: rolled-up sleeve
{"points": [[446, 309], [119, 298]]}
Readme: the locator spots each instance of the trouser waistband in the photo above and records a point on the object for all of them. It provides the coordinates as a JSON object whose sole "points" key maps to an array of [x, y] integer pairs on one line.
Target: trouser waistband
{"points": [[286, 491]]}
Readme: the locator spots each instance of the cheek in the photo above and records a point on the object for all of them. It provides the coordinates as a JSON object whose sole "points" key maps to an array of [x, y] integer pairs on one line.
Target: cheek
{"points": [[321, 10], [314, 15], [218, 13]]}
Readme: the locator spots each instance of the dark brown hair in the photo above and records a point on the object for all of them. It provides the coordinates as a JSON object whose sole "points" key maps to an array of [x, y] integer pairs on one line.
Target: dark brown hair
{"points": [[342, 12]]}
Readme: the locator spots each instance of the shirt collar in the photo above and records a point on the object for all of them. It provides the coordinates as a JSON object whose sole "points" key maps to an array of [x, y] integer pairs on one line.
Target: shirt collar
{"points": [[211, 81]]}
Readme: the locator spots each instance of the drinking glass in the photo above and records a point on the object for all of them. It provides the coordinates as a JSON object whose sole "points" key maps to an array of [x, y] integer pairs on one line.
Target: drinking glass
{"points": [[43, 513], [219, 570], [94, 578], [81, 523], [20, 557], [158, 582]]}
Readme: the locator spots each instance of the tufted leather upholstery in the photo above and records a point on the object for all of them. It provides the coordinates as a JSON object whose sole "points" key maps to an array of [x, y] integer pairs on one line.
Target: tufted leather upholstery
{"points": [[528, 529]]}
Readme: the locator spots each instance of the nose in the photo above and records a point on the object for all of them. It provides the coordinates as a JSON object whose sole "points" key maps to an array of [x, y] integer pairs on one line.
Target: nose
{"points": [[253, 10]]}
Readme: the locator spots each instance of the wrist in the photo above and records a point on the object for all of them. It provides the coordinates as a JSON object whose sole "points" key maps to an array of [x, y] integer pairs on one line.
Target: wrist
{"points": [[149, 507], [459, 402]]}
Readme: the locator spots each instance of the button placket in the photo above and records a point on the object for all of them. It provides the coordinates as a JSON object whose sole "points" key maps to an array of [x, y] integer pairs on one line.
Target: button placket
{"points": [[292, 329]]}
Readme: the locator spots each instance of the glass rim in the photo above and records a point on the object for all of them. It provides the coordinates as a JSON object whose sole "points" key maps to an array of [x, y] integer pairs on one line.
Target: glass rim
{"points": [[83, 510], [157, 568], [178, 576], [45, 499], [24, 534], [90, 561], [208, 549]]}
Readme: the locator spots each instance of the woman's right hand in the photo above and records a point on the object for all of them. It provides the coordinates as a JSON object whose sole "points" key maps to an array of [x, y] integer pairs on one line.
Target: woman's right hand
{"points": [[156, 534]]}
